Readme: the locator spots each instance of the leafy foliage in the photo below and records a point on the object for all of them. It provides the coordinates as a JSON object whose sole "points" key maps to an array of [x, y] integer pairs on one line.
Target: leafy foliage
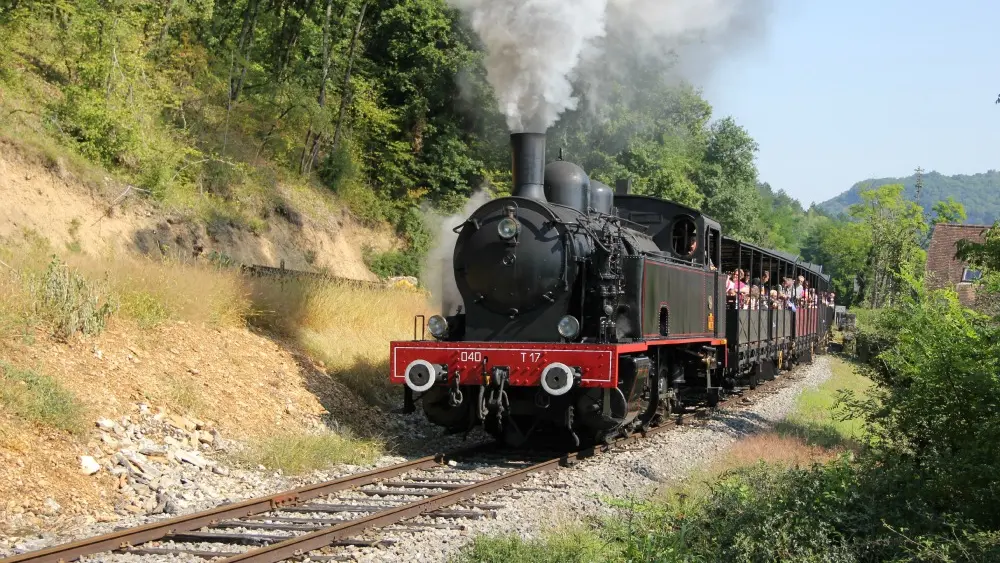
{"points": [[936, 401], [949, 211], [208, 105], [896, 227]]}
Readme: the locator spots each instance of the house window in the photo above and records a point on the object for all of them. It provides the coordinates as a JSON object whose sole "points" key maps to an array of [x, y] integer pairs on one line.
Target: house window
{"points": [[970, 275]]}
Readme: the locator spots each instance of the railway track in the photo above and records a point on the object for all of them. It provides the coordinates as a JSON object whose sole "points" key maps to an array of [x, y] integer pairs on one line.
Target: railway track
{"points": [[310, 523]]}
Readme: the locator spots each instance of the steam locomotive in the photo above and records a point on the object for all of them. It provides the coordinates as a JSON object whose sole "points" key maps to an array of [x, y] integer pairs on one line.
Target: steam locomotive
{"points": [[591, 312]]}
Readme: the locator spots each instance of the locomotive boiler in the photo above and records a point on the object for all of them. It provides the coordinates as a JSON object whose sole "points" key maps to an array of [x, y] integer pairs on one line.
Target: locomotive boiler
{"points": [[586, 312]]}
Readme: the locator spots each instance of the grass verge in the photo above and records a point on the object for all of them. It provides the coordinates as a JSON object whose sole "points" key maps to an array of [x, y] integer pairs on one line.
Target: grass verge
{"points": [[300, 453], [817, 419], [816, 431], [564, 545], [39, 399]]}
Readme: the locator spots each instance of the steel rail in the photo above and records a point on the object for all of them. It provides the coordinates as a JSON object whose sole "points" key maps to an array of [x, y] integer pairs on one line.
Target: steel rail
{"points": [[161, 529], [300, 545]]}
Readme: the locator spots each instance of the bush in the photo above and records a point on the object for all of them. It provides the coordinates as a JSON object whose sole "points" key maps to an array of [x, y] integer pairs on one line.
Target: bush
{"points": [[934, 412], [393, 263], [839, 511], [406, 262], [70, 302]]}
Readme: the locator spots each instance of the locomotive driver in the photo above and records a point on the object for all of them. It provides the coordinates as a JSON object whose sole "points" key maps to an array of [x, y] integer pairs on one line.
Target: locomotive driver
{"points": [[694, 247]]}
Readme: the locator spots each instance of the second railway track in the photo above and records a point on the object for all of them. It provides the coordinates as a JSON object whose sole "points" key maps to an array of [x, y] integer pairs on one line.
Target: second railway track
{"points": [[318, 522]]}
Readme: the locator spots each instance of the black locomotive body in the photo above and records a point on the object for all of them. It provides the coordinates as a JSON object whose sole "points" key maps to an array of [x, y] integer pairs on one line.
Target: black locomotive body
{"points": [[592, 312]]}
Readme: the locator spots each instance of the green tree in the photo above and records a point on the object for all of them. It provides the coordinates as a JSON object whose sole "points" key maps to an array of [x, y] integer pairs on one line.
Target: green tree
{"points": [[729, 180], [948, 211], [842, 248], [897, 226]]}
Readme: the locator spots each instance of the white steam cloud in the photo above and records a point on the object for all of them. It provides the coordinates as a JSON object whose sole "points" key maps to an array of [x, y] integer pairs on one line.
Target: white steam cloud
{"points": [[532, 46], [535, 49], [438, 270]]}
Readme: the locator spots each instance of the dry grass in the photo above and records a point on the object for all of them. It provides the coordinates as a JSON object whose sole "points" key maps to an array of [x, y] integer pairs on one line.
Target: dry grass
{"points": [[776, 449], [75, 292], [151, 291], [301, 453], [345, 326]]}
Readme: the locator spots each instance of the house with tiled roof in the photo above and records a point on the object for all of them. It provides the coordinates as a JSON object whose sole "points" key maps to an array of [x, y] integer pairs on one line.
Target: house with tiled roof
{"points": [[943, 269]]}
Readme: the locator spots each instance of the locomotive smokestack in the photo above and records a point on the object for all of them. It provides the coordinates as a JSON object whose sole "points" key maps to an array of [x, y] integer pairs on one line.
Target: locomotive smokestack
{"points": [[528, 165]]}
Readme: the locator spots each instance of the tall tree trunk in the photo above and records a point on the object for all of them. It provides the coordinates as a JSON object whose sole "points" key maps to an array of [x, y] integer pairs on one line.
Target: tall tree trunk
{"points": [[310, 147], [291, 29], [345, 91], [243, 48]]}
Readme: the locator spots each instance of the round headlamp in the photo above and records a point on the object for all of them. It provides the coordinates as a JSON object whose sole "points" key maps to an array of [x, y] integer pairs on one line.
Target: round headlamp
{"points": [[507, 228], [438, 326], [568, 326]]}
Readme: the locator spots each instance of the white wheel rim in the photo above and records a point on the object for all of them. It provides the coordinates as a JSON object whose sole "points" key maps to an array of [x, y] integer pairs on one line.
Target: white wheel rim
{"points": [[561, 390], [430, 380]]}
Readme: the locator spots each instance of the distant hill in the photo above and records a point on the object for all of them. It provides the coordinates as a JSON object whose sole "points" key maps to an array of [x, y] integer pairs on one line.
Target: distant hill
{"points": [[979, 193]]}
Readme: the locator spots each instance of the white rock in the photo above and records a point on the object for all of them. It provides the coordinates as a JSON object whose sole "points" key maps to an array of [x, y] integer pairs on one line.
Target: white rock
{"points": [[105, 424], [194, 458], [89, 465]]}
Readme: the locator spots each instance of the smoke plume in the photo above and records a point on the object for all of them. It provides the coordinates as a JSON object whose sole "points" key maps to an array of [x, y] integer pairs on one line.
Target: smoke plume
{"points": [[537, 49], [532, 47], [438, 270]]}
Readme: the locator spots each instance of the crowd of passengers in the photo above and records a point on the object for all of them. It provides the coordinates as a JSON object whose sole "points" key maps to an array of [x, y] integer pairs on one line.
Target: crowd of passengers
{"points": [[762, 293]]}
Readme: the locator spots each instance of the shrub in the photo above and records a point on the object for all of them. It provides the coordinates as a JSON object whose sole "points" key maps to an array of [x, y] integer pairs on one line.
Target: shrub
{"points": [[393, 263], [934, 412], [70, 302]]}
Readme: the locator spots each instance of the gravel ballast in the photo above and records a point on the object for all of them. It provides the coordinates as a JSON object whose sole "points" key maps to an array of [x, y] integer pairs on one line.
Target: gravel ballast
{"points": [[575, 493], [561, 496]]}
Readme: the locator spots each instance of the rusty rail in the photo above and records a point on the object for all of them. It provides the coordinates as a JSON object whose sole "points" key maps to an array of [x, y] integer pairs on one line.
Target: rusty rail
{"points": [[190, 522], [298, 546]]}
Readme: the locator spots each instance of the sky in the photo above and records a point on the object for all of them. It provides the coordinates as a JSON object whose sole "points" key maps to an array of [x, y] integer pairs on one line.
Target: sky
{"points": [[838, 92]]}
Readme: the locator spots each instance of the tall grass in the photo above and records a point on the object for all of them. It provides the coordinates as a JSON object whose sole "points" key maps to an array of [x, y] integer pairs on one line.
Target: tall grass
{"points": [[151, 291], [82, 293], [56, 297], [345, 326]]}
